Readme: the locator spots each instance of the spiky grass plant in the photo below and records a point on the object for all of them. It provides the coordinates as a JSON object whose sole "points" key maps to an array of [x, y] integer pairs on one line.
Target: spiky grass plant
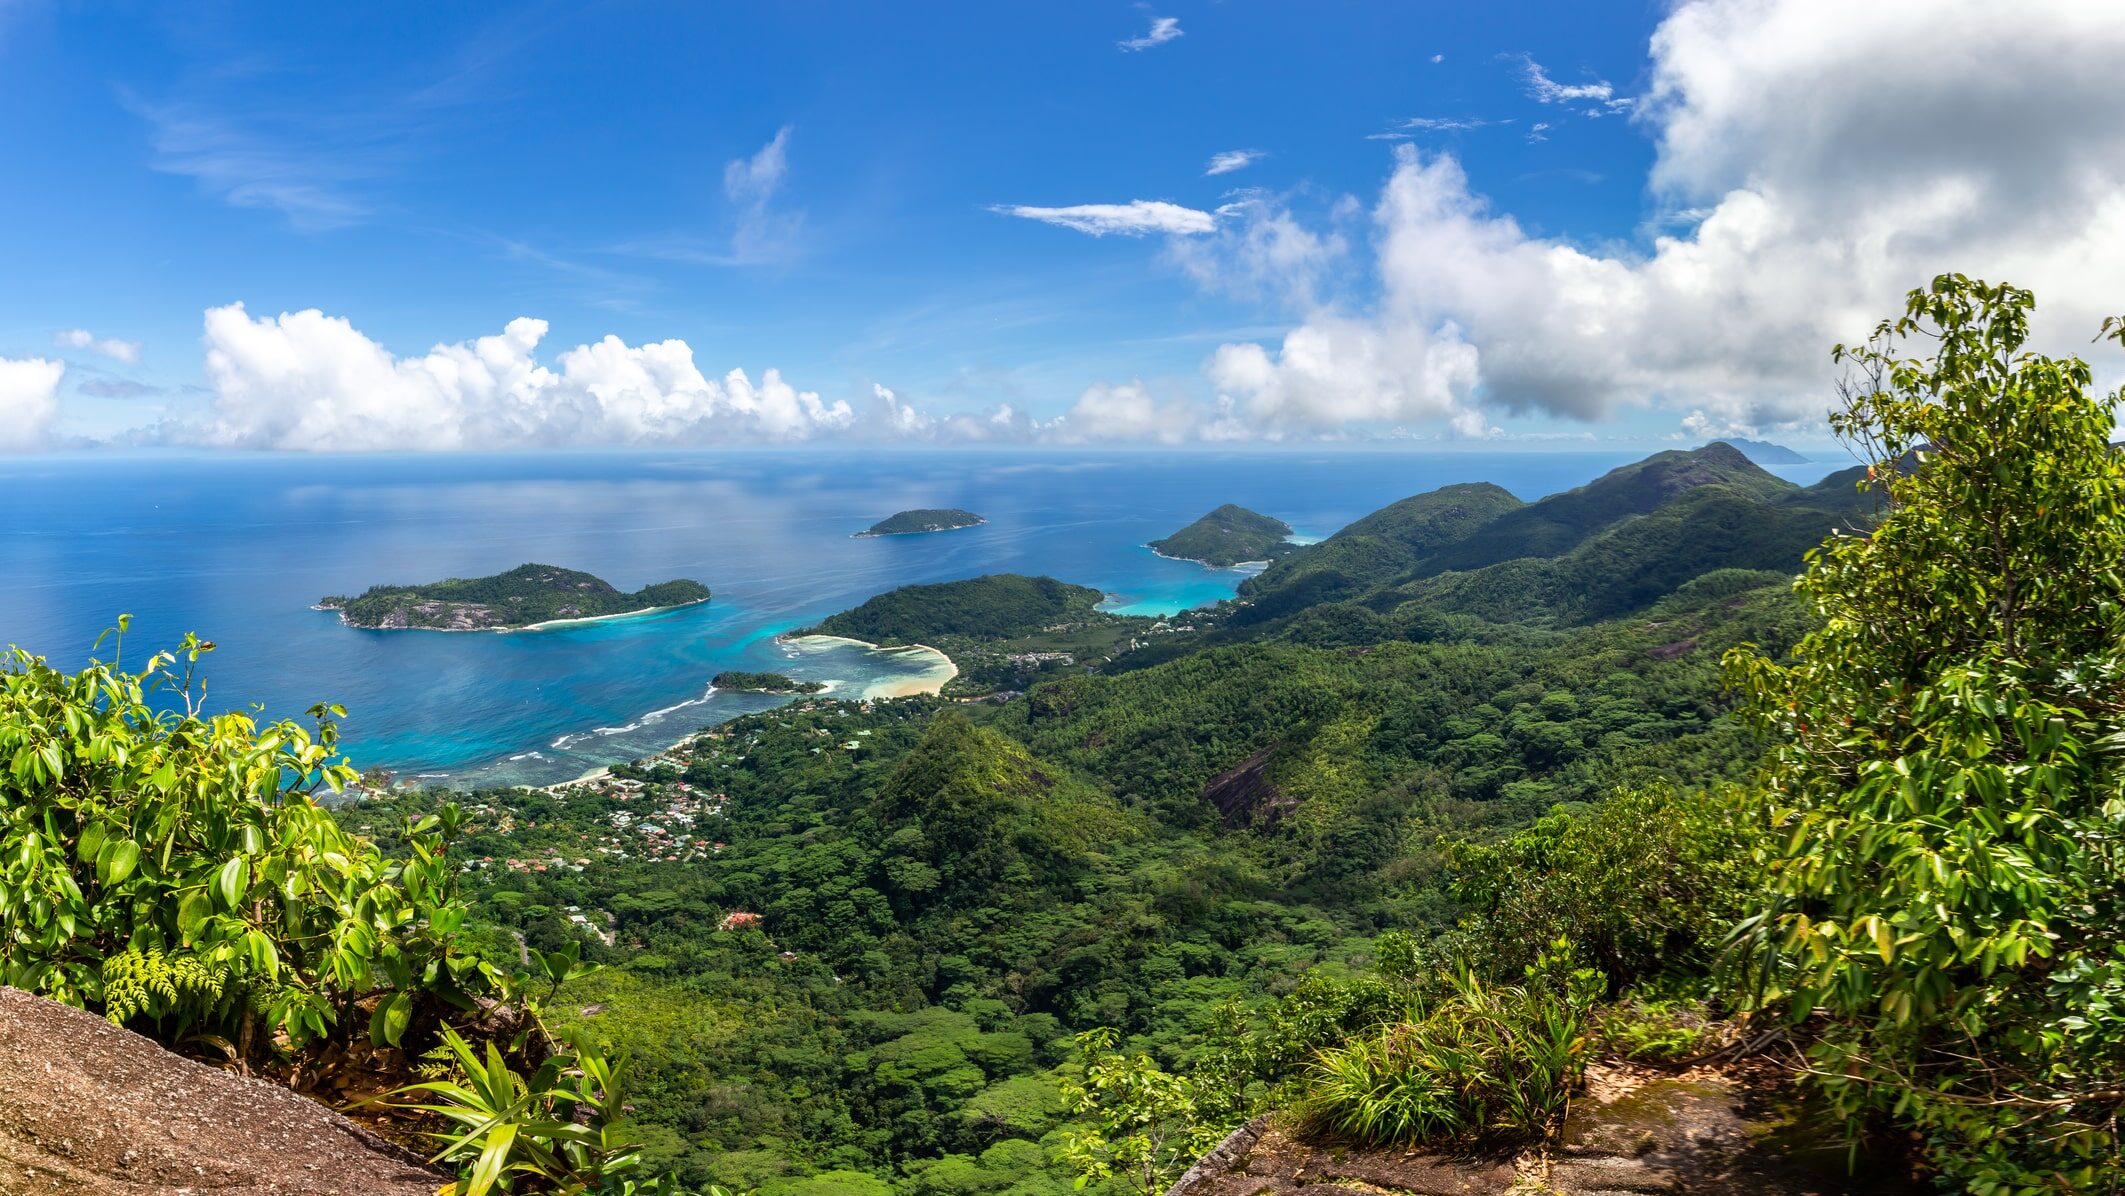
{"points": [[1490, 1062]]}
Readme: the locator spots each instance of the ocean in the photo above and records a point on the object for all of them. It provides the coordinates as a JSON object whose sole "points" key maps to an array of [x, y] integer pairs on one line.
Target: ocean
{"points": [[237, 547]]}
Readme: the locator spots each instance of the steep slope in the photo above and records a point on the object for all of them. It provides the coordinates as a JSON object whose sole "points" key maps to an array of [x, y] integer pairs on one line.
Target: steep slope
{"points": [[1636, 561], [1561, 522], [1378, 548], [88, 1107], [968, 810], [1843, 492]]}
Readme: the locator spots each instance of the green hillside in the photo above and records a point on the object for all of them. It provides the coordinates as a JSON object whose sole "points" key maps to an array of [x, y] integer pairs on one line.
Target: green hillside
{"points": [[1227, 536], [1560, 522], [524, 595], [995, 606], [1376, 549], [1636, 561]]}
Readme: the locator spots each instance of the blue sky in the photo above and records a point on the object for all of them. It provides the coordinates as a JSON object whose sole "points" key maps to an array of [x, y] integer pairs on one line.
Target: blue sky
{"points": [[827, 190]]}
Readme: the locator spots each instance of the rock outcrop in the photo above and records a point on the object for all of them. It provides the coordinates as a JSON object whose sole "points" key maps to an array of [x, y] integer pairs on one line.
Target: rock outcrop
{"points": [[89, 1109], [1700, 1133]]}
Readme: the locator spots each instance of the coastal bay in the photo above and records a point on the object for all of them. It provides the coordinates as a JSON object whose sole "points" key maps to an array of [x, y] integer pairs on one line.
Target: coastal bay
{"points": [[933, 668]]}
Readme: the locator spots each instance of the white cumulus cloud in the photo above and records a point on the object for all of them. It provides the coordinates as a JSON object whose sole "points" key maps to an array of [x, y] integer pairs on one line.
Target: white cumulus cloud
{"points": [[109, 346], [1132, 219], [308, 381], [1260, 250], [1125, 412], [1813, 180], [29, 389], [1335, 371], [1232, 160]]}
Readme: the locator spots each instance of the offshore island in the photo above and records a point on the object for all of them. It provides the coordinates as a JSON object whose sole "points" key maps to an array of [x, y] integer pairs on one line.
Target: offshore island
{"points": [[1231, 535], [765, 683], [926, 519], [526, 597]]}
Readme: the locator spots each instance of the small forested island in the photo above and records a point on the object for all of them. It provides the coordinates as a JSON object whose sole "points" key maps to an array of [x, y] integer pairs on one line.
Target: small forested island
{"points": [[995, 606], [766, 683], [926, 519], [525, 596], [1226, 537]]}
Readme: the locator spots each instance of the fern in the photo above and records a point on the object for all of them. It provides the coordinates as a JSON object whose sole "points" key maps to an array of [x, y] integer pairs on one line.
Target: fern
{"points": [[156, 985]]}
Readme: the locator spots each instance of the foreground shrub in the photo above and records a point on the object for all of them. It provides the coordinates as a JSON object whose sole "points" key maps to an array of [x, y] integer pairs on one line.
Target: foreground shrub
{"points": [[560, 1129], [1649, 881], [1947, 880], [173, 872], [1495, 1062]]}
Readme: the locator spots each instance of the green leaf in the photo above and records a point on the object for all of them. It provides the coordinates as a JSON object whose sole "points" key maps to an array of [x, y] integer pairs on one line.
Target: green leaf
{"points": [[496, 1153], [192, 912], [123, 858], [387, 1024], [235, 877]]}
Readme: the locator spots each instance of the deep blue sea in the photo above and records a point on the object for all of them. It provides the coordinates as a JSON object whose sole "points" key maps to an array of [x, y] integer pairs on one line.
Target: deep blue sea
{"points": [[238, 547]]}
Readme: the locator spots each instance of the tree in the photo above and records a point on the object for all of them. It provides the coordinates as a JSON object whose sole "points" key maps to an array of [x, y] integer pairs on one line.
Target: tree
{"points": [[1945, 880], [1145, 1129]]}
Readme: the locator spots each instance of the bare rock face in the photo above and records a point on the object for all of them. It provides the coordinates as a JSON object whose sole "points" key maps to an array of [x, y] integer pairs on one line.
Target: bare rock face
{"points": [[1701, 1133], [89, 1109], [1244, 794]]}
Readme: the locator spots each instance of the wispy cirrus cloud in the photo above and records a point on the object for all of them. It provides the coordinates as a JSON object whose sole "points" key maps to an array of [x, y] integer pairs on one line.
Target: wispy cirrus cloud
{"points": [[1232, 160], [1403, 130], [307, 176], [1132, 219], [315, 148], [763, 232], [1163, 30], [1598, 97]]}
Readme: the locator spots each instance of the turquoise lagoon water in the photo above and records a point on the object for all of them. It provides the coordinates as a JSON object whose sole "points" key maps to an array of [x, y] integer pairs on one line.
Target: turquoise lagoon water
{"points": [[238, 547]]}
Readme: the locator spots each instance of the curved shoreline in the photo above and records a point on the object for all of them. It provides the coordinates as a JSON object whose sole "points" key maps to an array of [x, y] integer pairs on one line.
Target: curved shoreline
{"points": [[1206, 564], [929, 685], [540, 626], [919, 531], [939, 675]]}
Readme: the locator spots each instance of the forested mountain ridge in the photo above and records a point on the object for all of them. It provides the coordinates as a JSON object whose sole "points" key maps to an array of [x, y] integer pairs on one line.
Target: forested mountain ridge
{"points": [[1380, 546], [1560, 522], [1620, 543]]}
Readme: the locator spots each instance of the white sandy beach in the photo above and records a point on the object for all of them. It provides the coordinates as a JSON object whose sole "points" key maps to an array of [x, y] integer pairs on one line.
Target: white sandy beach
{"points": [[932, 680], [547, 625]]}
